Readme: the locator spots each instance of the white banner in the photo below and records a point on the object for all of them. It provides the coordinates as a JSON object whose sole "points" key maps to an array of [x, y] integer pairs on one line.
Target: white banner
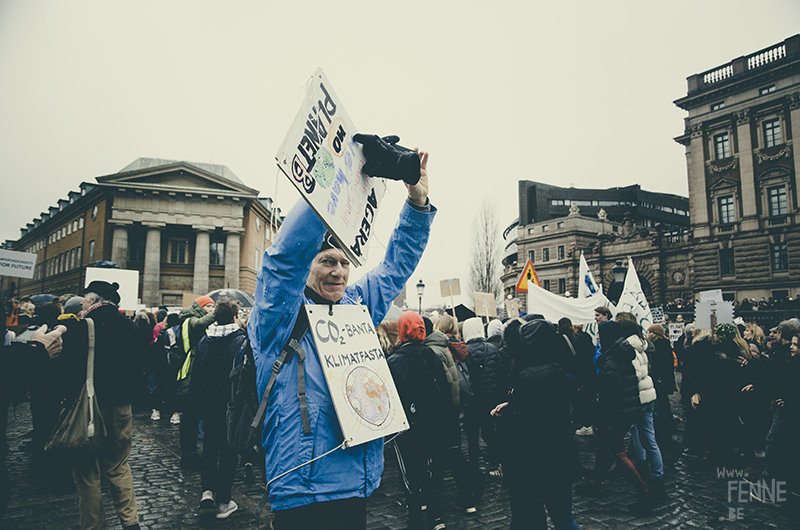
{"points": [[323, 162], [359, 381], [17, 264], [633, 300]]}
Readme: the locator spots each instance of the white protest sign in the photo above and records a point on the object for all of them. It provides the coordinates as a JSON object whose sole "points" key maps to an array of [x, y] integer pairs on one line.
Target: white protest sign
{"points": [[675, 331], [359, 381], [512, 308], [128, 284], [708, 314], [658, 315], [715, 295], [17, 264], [323, 162]]}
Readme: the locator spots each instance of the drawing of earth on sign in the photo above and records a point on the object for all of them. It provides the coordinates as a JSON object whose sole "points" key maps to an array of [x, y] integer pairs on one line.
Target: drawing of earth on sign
{"points": [[366, 392]]}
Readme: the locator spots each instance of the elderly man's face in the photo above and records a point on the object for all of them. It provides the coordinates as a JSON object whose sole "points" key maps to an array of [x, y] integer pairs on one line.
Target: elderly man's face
{"points": [[86, 303], [329, 273]]}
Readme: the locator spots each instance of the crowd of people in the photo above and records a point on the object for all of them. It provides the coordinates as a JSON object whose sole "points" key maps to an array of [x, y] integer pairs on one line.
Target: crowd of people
{"points": [[521, 391]]}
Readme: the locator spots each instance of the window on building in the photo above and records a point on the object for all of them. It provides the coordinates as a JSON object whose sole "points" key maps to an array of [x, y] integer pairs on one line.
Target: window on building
{"points": [[545, 228], [80, 223], [767, 89], [726, 263], [717, 106], [72, 259], [560, 251], [137, 250], [780, 257], [722, 146], [75, 225], [69, 229], [546, 285], [545, 254], [530, 230], [562, 285], [560, 224], [726, 210], [777, 201], [532, 256], [91, 251], [177, 250], [78, 256], [772, 133], [216, 255]]}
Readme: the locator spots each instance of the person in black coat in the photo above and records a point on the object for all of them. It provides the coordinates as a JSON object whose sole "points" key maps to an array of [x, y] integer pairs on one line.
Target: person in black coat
{"points": [[211, 389], [619, 403], [540, 461], [421, 383]]}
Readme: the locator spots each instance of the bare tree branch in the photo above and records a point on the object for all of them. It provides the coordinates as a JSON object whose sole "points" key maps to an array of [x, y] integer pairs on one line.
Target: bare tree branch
{"points": [[484, 271]]}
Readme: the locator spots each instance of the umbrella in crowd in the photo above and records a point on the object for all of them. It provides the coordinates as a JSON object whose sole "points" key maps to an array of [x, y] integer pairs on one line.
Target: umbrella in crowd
{"points": [[42, 298], [245, 299]]}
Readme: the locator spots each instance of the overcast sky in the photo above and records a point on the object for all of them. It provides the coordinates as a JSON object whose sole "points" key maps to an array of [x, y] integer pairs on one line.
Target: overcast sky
{"points": [[559, 92]]}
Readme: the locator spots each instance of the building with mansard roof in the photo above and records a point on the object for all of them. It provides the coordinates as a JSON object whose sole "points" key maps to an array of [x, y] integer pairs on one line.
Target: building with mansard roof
{"points": [[186, 227]]}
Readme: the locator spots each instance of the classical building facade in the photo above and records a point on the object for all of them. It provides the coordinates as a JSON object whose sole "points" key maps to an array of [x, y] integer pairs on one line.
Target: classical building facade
{"points": [[556, 224], [186, 227], [742, 160]]}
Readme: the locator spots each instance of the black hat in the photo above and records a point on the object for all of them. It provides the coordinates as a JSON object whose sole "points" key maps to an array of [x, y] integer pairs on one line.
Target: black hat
{"points": [[330, 242], [109, 291]]}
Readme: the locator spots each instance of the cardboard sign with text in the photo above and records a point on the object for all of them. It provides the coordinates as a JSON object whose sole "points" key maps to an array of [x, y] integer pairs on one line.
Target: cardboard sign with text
{"points": [[359, 381], [128, 281], [323, 162]]}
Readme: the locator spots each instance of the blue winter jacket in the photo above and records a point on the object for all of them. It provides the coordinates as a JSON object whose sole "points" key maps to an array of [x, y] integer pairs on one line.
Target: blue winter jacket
{"points": [[352, 472]]}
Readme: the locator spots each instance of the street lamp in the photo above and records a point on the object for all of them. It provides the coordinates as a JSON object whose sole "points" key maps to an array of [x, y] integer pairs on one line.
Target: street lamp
{"points": [[420, 290], [615, 290]]}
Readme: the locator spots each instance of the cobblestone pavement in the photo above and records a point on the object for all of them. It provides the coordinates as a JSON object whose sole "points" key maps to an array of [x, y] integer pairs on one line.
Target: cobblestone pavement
{"points": [[168, 497]]}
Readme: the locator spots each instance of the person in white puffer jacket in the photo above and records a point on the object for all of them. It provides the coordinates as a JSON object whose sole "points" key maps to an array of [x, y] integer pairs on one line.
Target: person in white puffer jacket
{"points": [[643, 433]]}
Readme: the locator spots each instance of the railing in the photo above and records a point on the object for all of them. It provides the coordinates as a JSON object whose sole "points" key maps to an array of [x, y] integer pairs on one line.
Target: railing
{"points": [[726, 228], [744, 65], [720, 74], [777, 221], [764, 57]]}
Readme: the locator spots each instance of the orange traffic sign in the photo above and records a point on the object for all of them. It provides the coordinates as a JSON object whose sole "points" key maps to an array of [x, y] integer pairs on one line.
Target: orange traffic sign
{"points": [[528, 275]]}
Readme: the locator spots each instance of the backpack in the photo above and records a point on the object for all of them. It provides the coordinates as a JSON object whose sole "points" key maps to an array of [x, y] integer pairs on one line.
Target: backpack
{"points": [[244, 400], [244, 417], [464, 380], [173, 343]]}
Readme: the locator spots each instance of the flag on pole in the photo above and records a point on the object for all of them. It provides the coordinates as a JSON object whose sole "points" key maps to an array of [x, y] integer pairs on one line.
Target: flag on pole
{"points": [[587, 286], [528, 275]]}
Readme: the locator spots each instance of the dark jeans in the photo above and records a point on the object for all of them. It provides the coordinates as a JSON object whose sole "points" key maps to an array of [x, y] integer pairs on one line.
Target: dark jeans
{"points": [[528, 504], [345, 514], [189, 421], [219, 460]]}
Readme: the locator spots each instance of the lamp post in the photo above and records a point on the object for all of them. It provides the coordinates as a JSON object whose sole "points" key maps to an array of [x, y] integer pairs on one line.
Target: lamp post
{"points": [[420, 290], [615, 290]]}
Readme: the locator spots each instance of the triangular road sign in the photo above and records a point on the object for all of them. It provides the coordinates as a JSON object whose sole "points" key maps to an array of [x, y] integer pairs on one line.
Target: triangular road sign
{"points": [[528, 275]]}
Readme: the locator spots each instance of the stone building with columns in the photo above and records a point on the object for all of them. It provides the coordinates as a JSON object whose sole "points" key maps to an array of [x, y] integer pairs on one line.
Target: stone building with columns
{"points": [[742, 156], [186, 227]]}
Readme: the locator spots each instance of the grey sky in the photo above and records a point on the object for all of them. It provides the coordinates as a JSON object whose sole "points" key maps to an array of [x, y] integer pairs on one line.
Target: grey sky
{"points": [[565, 93]]}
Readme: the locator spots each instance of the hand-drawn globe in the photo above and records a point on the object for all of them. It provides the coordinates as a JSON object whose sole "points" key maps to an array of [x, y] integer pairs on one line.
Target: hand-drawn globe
{"points": [[366, 392]]}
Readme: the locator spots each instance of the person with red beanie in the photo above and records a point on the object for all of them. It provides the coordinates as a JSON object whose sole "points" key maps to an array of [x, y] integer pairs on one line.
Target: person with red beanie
{"points": [[422, 385]]}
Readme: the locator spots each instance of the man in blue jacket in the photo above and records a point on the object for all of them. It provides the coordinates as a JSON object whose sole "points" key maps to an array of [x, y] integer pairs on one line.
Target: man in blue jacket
{"points": [[301, 268]]}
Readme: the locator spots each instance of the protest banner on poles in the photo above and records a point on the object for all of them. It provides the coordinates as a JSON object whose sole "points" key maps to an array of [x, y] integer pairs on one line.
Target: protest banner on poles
{"points": [[361, 386], [320, 158]]}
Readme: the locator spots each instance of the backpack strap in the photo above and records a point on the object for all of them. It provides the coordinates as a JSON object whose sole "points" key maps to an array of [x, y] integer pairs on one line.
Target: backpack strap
{"points": [[569, 343], [238, 366], [292, 346]]}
